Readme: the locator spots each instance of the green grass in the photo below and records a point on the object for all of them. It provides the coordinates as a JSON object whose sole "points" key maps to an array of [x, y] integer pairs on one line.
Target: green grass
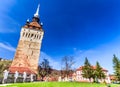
{"points": [[59, 84]]}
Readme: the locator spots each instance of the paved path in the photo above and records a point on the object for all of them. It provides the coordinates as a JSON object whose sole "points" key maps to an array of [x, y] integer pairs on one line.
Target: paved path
{"points": [[4, 84]]}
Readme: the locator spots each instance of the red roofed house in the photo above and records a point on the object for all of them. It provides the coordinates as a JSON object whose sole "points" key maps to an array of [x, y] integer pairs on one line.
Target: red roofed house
{"points": [[78, 75], [113, 78]]}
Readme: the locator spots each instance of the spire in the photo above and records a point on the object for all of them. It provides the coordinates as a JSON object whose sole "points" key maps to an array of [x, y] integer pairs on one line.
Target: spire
{"points": [[37, 12]]}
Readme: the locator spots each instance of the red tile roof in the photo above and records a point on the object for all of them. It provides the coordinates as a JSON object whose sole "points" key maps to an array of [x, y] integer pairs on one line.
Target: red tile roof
{"points": [[112, 77], [21, 70], [94, 67], [36, 25]]}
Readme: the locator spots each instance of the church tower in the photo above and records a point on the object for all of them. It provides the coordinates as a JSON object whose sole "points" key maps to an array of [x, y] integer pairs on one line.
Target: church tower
{"points": [[28, 50]]}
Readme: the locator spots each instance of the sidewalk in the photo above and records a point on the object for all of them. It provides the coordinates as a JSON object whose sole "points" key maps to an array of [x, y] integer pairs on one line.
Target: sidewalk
{"points": [[4, 84]]}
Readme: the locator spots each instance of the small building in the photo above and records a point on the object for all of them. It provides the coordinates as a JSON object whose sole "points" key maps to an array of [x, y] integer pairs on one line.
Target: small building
{"points": [[112, 78], [78, 75]]}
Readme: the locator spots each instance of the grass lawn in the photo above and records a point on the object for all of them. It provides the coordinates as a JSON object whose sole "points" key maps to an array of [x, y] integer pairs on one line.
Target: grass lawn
{"points": [[59, 84]]}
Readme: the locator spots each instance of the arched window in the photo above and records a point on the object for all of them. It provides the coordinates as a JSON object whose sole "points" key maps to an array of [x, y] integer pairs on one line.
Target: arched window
{"points": [[23, 34], [32, 35], [29, 35], [35, 36], [26, 34], [39, 37]]}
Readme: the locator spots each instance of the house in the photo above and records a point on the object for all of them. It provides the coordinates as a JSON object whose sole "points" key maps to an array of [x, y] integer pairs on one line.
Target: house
{"points": [[3, 59], [112, 77], [78, 75]]}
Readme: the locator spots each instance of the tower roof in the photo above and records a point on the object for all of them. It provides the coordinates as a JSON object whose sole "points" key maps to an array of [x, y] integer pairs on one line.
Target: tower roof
{"points": [[34, 24]]}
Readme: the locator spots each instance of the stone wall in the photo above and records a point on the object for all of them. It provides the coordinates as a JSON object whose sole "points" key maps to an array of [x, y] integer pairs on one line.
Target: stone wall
{"points": [[28, 50]]}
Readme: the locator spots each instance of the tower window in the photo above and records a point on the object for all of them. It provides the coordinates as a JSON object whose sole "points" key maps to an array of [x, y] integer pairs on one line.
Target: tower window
{"points": [[32, 35], [26, 34], [29, 35], [39, 37], [35, 37], [23, 34]]}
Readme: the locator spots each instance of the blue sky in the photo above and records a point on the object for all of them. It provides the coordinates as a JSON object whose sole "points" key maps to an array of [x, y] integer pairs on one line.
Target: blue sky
{"points": [[80, 28]]}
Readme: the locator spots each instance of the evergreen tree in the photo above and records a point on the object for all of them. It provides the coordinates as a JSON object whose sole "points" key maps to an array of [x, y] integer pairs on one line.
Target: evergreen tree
{"points": [[87, 70], [116, 66], [99, 74]]}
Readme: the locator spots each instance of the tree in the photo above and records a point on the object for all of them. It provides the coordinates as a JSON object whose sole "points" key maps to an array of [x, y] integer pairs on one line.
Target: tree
{"points": [[87, 70], [67, 65], [99, 74], [44, 69], [116, 67], [4, 65]]}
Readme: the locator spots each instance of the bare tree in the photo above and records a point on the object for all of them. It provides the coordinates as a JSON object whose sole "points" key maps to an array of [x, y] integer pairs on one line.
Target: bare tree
{"points": [[67, 66]]}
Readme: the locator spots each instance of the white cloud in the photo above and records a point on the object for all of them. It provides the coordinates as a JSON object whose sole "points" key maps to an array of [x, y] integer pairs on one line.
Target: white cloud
{"points": [[7, 47], [6, 51], [103, 54]]}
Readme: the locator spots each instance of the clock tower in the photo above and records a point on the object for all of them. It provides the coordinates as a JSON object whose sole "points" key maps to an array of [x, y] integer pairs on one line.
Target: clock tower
{"points": [[27, 53]]}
